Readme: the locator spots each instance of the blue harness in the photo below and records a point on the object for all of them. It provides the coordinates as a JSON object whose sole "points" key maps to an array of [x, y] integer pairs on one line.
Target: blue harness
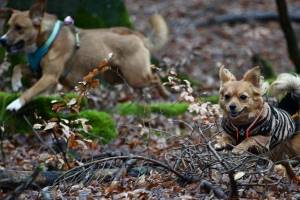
{"points": [[35, 58]]}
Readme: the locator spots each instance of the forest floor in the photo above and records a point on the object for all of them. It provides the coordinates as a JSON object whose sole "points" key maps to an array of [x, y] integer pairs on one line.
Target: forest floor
{"points": [[183, 142]]}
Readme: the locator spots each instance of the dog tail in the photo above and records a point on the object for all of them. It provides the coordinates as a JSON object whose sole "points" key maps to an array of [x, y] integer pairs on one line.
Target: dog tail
{"points": [[158, 38], [286, 88]]}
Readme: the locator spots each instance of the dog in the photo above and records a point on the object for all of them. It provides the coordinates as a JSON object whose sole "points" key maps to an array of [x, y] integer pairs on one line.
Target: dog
{"points": [[254, 125], [64, 53]]}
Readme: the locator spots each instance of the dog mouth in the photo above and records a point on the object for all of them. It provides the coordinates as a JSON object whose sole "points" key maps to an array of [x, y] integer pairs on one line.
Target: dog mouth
{"points": [[235, 114], [17, 47]]}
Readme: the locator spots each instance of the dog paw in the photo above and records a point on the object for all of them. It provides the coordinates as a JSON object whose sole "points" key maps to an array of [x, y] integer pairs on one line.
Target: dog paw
{"points": [[221, 143], [218, 146], [15, 105], [238, 150], [17, 86]]}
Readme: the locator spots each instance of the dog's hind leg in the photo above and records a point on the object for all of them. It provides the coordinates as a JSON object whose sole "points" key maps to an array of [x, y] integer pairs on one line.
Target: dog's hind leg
{"points": [[289, 149], [156, 82]]}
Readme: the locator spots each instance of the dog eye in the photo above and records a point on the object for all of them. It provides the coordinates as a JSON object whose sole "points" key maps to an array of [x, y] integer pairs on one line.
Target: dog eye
{"points": [[18, 27], [226, 96], [243, 97]]}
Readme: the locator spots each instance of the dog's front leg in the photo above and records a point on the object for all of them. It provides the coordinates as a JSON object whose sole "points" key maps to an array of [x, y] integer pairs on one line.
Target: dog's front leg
{"points": [[46, 81], [224, 141], [19, 71], [16, 79], [255, 144]]}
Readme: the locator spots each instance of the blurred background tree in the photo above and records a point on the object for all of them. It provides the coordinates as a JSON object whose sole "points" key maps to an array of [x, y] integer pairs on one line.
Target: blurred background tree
{"points": [[289, 34], [87, 13]]}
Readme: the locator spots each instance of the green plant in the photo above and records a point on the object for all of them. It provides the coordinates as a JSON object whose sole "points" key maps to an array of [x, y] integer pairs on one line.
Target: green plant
{"points": [[103, 126], [167, 109]]}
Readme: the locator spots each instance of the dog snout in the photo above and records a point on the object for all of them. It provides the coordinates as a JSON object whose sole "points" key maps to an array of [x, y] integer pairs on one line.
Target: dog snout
{"points": [[232, 107], [3, 40]]}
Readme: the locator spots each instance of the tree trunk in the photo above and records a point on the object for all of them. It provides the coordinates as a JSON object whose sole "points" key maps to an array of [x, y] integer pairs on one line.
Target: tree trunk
{"points": [[2, 21], [290, 37]]}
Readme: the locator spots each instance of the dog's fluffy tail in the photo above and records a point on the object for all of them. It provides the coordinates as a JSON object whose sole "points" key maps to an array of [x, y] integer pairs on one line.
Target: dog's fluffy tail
{"points": [[286, 88], [158, 38]]}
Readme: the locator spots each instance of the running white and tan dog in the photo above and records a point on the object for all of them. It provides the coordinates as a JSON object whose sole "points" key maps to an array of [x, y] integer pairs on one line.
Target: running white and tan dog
{"points": [[33, 32]]}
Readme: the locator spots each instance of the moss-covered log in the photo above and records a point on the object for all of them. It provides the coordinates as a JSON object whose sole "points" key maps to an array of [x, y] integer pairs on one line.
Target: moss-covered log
{"points": [[103, 126]]}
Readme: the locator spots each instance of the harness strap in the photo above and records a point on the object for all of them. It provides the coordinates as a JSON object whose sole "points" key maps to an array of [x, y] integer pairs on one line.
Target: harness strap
{"points": [[35, 58], [248, 130], [253, 123]]}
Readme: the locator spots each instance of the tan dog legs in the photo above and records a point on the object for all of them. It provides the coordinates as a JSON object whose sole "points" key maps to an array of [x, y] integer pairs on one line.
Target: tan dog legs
{"points": [[256, 143]]}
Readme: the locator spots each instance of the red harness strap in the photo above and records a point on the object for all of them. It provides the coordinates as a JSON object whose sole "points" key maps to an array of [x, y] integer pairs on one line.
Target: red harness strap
{"points": [[248, 131]]}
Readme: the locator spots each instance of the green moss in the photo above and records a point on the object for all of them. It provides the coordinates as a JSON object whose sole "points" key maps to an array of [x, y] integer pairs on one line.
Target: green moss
{"points": [[213, 99], [133, 109], [103, 125], [11, 121], [15, 122], [167, 109]]}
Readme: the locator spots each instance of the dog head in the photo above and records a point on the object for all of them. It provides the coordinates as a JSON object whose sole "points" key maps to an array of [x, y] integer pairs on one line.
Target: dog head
{"points": [[241, 100], [23, 28]]}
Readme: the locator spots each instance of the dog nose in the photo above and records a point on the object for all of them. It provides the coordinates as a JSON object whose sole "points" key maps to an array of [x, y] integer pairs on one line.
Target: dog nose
{"points": [[3, 40], [232, 107]]}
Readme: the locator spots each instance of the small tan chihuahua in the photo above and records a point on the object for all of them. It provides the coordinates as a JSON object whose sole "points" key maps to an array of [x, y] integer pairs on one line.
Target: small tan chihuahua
{"points": [[52, 48], [253, 124]]}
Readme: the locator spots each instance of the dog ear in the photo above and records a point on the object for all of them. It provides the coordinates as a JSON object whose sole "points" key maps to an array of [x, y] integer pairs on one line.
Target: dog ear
{"points": [[225, 75], [5, 13], [253, 76], [37, 11]]}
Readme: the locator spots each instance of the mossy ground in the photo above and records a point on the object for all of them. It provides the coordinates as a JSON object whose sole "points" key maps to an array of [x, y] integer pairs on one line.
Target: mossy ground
{"points": [[167, 109], [103, 125], [214, 99]]}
